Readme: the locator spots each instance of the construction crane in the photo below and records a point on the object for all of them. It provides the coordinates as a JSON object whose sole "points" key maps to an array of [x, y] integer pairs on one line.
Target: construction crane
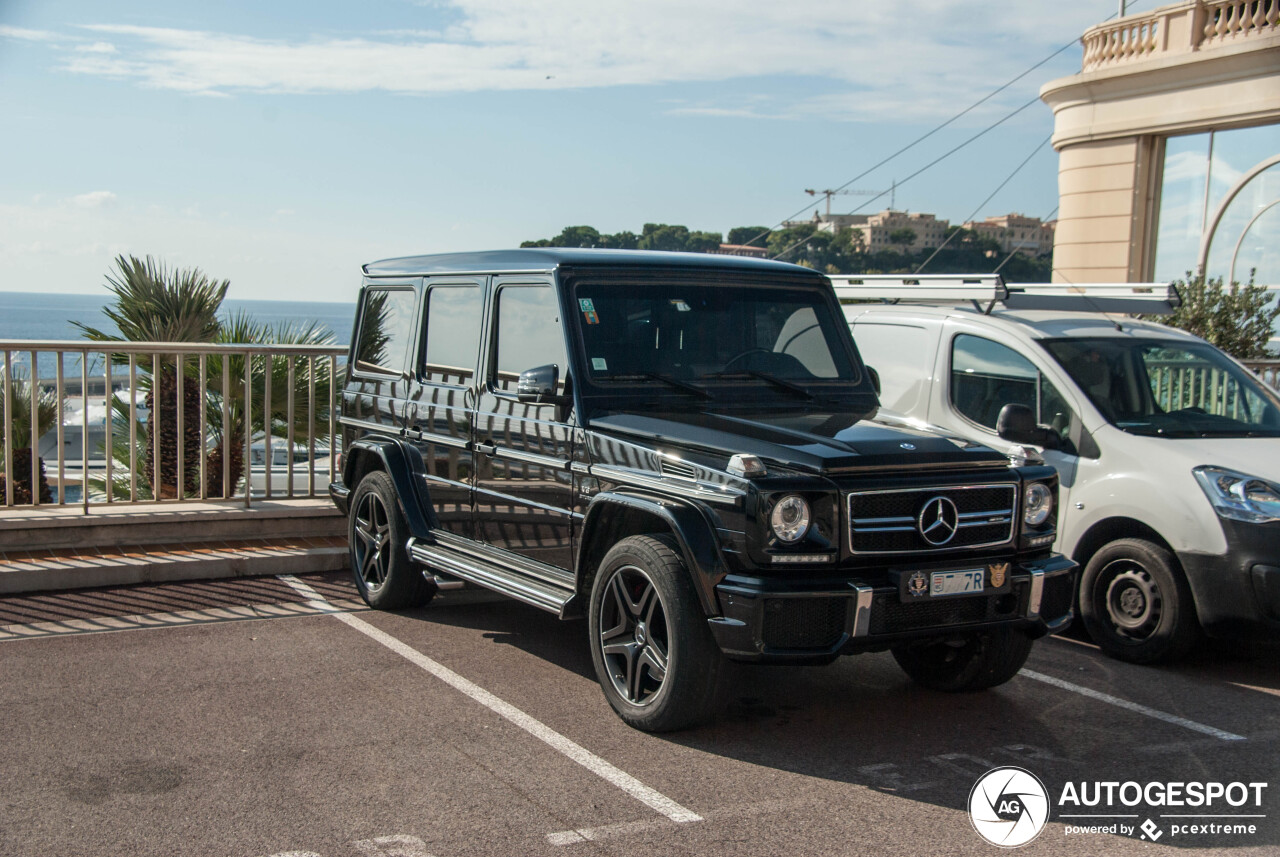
{"points": [[830, 193]]}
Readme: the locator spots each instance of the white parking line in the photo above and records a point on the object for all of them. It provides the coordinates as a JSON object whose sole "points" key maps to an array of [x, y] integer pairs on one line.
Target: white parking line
{"points": [[1220, 734], [593, 763]]}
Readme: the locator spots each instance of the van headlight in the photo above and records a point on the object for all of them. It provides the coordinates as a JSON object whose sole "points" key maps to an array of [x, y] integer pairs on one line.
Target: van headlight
{"points": [[1037, 504], [1239, 496], [790, 518]]}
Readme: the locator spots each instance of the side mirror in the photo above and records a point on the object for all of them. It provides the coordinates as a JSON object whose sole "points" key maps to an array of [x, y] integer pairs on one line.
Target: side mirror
{"points": [[537, 386], [1017, 423], [875, 379]]}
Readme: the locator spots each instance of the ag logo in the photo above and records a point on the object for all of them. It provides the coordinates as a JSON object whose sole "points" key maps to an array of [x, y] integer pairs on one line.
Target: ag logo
{"points": [[1008, 807]]}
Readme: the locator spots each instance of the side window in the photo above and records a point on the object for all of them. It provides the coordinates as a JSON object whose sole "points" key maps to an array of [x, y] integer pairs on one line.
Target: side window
{"points": [[986, 376], [387, 325], [453, 333], [530, 333], [902, 354]]}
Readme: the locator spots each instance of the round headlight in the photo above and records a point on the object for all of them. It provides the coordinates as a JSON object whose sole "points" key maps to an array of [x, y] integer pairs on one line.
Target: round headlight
{"points": [[1037, 505], [790, 518]]}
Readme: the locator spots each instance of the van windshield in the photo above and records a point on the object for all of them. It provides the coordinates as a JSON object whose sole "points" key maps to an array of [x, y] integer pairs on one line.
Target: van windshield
{"points": [[1169, 388], [687, 336]]}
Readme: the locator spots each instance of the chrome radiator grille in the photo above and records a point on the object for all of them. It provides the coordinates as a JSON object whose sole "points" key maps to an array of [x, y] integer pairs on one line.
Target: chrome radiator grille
{"points": [[931, 520]]}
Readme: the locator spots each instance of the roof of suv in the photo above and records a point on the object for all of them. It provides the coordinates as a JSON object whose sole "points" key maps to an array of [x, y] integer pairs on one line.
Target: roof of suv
{"points": [[1038, 324], [546, 259]]}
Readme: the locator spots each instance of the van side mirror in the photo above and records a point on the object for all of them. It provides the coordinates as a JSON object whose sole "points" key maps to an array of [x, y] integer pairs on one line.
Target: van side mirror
{"points": [[1017, 424], [875, 379], [537, 386]]}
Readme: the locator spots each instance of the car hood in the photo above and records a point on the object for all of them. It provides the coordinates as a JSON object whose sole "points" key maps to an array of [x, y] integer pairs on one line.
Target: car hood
{"points": [[816, 441], [1253, 456]]}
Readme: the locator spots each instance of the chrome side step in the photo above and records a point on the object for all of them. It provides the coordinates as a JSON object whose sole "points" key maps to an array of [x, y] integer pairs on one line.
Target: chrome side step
{"points": [[538, 593]]}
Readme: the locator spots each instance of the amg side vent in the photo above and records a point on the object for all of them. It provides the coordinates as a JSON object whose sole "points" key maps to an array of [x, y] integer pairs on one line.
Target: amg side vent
{"points": [[677, 469]]}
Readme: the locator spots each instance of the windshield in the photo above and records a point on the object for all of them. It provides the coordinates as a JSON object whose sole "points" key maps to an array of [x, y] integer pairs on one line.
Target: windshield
{"points": [[686, 337], [1169, 388]]}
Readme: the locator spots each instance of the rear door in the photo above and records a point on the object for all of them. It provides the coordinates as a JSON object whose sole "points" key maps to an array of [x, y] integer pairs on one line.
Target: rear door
{"points": [[441, 407]]}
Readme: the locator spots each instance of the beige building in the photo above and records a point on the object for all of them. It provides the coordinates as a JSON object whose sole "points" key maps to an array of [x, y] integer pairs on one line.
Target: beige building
{"points": [[1169, 146], [1016, 233], [876, 229]]}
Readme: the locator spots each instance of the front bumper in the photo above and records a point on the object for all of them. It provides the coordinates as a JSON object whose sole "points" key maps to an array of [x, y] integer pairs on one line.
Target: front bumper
{"points": [[773, 620], [1237, 594]]}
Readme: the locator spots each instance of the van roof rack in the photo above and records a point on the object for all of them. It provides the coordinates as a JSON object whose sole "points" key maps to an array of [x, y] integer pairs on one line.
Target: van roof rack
{"points": [[990, 289]]}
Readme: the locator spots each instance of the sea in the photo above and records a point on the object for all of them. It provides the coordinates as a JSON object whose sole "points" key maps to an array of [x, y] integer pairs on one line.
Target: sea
{"points": [[37, 315]]}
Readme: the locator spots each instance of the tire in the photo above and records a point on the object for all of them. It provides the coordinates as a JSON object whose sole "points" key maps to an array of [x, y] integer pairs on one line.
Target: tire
{"points": [[377, 535], [977, 662], [654, 655], [1136, 603]]}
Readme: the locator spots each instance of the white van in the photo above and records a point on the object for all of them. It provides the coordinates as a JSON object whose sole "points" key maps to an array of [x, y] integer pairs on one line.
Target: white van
{"points": [[1168, 450]]}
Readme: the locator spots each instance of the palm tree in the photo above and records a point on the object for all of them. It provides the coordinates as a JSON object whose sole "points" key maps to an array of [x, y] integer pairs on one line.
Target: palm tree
{"points": [[18, 430], [240, 329], [153, 304]]}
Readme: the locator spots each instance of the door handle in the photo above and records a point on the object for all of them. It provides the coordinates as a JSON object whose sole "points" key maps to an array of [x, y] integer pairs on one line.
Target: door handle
{"points": [[486, 448]]}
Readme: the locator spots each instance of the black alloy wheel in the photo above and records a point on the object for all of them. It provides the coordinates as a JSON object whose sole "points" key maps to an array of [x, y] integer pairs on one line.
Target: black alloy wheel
{"points": [[655, 658], [377, 534], [371, 527], [634, 638]]}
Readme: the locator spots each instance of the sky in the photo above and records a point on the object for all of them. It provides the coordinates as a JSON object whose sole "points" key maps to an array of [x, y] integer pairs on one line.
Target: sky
{"points": [[282, 145]]}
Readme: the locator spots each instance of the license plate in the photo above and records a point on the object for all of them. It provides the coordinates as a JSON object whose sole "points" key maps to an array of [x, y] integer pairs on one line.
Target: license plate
{"points": [[966, 582]]}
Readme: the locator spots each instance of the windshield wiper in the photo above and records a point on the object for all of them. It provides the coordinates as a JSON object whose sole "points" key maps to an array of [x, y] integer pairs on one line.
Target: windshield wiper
{"points": [[780, 383], [666, 379]]}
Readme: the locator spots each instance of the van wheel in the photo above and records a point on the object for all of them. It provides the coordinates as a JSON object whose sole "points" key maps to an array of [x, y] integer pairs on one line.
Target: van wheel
{"points": [[1136, 603], [976, 662], [377, 534], [653, 652]]}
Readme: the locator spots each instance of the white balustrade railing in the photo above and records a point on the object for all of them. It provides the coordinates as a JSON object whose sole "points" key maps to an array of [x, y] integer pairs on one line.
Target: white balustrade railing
{"points": [[1179, 28], [88, 423]]}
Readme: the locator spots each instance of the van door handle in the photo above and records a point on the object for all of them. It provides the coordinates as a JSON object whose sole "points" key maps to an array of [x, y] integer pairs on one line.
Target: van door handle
{"points": [[486, 448]]}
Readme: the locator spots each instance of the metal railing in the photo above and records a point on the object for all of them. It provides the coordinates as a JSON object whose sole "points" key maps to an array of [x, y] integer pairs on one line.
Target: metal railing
{"points": [[179, 421], [1267, 370]]}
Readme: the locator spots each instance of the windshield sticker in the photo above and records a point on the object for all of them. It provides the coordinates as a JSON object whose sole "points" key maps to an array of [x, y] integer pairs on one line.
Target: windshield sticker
{"points": [[599, 364], [680, 305], [586, 305], [590, 316]]}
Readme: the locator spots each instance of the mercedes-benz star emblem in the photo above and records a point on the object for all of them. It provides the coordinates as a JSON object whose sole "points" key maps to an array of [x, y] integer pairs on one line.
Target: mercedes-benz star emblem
{"points": [[938, 521], [907, 445]]}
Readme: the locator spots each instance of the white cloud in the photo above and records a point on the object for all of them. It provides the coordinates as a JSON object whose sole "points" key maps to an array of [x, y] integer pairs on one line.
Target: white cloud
{"points": [[27, 35], [94, 199], [920, 57], [97, 48]]}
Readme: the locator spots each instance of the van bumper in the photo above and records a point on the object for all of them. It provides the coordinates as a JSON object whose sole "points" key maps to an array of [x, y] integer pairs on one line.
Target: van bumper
{"points": [[1237, 594]]}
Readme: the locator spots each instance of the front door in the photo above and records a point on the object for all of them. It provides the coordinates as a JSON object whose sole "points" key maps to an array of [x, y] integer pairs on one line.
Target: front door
{"points": [[524, 488], [982, 377]]}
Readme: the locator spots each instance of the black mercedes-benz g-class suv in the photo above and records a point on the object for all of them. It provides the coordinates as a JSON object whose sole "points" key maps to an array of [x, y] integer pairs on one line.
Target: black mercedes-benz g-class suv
{"points": [[685, 449]]}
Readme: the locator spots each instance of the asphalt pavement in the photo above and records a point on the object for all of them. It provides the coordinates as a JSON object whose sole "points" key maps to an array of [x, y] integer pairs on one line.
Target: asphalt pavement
{"points": [[277, 717]]}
